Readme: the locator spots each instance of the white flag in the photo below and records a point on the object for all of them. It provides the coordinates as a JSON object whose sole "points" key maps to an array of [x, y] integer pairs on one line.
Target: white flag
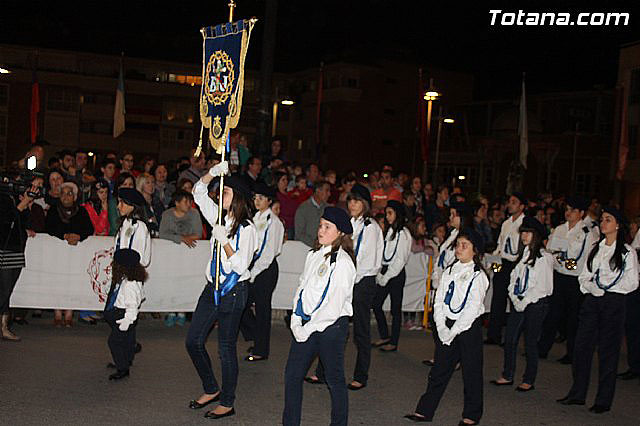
{"points": [[119, 110], [523, 129]]}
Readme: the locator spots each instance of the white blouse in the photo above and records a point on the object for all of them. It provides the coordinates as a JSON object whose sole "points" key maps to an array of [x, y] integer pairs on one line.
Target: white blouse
{"points": [[395, 254], [367, 245], [574, 243], [135, 236], [602, 279], [460, 297], [243, 254], [319, 274], [129, 298], [509, 239], [532, 283], [267, 224]]}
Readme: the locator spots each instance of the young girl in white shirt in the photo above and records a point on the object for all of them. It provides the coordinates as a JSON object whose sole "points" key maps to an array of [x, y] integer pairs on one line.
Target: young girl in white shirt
{"points": [[530, 290], [458, 309], [320, 320]]}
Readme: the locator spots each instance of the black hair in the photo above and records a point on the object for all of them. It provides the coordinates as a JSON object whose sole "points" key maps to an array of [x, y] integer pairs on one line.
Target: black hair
{"points": [[477, 255], [276, 178], [180, 195], [616, 261], [108, 161], [240, 210], [397, 225], [535, 248], [319, 185], [53, 160], [251, 159], [121, 178]]}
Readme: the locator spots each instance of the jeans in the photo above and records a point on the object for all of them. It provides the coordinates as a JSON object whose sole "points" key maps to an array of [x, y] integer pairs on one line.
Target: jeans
{"points": [[8, 280], [329, 345], [228, 315], [363, 294], [122, 344], [530, 321], [395, 288]]}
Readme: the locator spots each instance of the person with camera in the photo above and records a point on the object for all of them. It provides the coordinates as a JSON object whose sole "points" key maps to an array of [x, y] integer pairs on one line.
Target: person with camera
{"points": [[14, 220]]}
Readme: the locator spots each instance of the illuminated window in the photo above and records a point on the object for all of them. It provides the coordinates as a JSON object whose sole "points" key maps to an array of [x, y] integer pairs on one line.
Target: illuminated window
{"points": [[191, 80]]}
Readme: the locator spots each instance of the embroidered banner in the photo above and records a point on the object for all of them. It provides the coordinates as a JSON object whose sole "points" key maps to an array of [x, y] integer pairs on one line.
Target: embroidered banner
{"points": [[223, 54]]}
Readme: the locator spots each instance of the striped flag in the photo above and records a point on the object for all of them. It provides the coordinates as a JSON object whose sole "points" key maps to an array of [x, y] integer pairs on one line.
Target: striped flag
{"points": [[119, 110], [523, 128]]}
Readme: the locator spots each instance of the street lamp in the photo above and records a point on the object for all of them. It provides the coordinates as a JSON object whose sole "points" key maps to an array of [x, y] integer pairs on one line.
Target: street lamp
{"points": [[286, 101], [430, 95], [441, 120], [4, 71]]}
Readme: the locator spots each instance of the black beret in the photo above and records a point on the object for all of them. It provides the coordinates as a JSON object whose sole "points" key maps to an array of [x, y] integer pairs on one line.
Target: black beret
{"points": [[126, 257], [397, 206], [578, 202], [620, 217], [474, 236], [131, 196], [238, 185], [264, 189], [101, 183], [532, 224], [520, 196], [361, 192], [338, 217], [461, 207]]}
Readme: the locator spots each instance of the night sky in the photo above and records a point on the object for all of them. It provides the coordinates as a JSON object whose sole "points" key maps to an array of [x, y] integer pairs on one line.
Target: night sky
{"points": [[446, 34]]}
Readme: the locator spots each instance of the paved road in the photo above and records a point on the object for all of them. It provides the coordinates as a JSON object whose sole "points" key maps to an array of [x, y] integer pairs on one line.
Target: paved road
{"points": [[58, 376]]}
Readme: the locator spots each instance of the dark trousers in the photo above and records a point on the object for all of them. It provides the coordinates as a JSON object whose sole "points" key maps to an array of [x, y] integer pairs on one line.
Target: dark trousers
{"points": [[228, 315], [8, 280], [329, 346], [363, 293], [122, 344], [565, 304], [466, 348], [632, 331], [395, 288], [258, 325], [530, 322], [499, 301], [602, 325]]}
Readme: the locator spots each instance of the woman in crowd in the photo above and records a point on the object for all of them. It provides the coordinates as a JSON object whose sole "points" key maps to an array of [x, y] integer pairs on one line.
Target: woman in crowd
{"points": [[163, 190], [322, 307], [237, 238], [391, 278], [148, 164], [264, 272], [288, 205], [345, 189], [481, 224], [145, 184], [529, 291], [67, 221], [458, 310], [54, 179], [125, 180], [611, 273]]}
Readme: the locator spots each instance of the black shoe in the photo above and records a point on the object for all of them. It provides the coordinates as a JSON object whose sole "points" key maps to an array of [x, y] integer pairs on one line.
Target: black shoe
{"points": [[428, 362], [462, 423], [628, 375], [195, 405], [569, 401], [491, 342], [111, 365], [314, 381], [497, 383], [355, 388], [253, 358], [519, 389], [119, 375], [138, 348], [565, 360], [415, 418], [378, 344], [214, 416], [599, 409]]}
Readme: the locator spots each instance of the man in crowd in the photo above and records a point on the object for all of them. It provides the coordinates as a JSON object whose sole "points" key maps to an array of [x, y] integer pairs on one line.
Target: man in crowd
{"points": [[385, 192], [196, 169], [181, 224], [438, 210], [126, 164], [313, 174], [109, 173], [309, 213], [252, 175]]}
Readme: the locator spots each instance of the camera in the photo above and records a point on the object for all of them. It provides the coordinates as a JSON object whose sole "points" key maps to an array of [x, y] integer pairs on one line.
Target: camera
{"points": [[17, 182]]}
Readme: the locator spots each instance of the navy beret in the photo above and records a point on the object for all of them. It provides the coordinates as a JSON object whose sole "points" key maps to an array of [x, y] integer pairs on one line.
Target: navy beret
{"points": [[520, 196], [131, 196], [238, 185], [264, 189], [532, 224], [578, 202], [474, 236], [620, 217], [397, 206], [361, 192], [126, 257], [338, 217], [461, 207]]}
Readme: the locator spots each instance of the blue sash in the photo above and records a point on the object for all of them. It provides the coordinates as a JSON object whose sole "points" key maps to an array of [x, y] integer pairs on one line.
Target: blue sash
{"points": [[449, 295], [384, 249], [264, 242], [508, 249], [230, 279], [605, 287], [360, 240], [112, 298], [300, 310], [518, 290]]}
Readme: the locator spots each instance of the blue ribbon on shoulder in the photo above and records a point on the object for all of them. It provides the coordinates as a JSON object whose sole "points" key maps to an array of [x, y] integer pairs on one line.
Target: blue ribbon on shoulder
{"points": [[230, 279]]}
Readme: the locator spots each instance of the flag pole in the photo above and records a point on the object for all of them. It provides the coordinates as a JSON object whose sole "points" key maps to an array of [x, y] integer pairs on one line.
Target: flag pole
{"points": [[232, 5]]}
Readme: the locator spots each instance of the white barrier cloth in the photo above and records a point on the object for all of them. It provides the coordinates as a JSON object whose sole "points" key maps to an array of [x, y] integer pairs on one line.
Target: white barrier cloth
{"points": [[61, 276]]}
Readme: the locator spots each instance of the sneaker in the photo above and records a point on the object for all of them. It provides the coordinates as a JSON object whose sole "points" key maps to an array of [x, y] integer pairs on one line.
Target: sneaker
{"points": [[180, 320], [170, 320]]}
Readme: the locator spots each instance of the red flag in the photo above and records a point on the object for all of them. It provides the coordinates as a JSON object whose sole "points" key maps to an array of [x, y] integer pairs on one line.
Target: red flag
{"points": [[422, 118], [319, 107], [35, 107], [623, 147]]}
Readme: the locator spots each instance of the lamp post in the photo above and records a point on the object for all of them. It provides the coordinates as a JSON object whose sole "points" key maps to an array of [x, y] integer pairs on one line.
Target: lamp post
{"points": [[430, 95], [286, 102], [441, 120]]}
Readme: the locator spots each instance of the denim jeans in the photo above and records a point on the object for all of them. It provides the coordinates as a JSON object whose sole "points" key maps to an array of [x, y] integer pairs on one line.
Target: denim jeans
{"points": [[530, 322], [329, 345], [228, 315]]}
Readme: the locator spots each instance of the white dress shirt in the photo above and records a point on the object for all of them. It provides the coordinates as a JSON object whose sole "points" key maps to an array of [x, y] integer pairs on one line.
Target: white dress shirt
{"points": [[395, 254], [243, 255], [619, 281], [446, 256], [268, 224], [135, 236], [129, 298], [369, 253], [509, 239], [467, 301], [536, 282], [318, 270], [575, 243], [592, 224]]}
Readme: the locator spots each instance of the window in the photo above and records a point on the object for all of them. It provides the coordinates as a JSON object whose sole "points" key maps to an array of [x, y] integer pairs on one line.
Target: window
{"points": [[96, 99], [62, 100]]}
